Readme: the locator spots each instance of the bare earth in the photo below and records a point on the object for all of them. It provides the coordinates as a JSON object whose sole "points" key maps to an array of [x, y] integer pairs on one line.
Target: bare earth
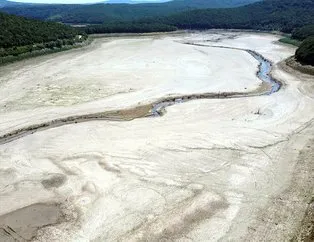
{"points": [[236, 169]]}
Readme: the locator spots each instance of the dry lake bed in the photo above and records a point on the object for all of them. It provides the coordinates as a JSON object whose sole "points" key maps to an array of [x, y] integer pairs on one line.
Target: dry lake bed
{"points": [[157, 138]]}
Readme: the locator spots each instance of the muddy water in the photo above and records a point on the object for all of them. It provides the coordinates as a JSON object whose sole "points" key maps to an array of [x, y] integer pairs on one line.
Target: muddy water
{"points": [[22, 224], [264, 72]]}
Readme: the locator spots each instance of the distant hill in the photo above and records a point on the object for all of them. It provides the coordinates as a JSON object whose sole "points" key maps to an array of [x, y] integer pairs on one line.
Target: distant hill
{"points": [[100, 13], [5, 3], [190, 3], [135, 2], [270, 15], [2, 3], [280, 15]]}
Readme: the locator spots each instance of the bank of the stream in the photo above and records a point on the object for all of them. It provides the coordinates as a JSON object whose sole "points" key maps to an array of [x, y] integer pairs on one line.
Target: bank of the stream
{"points": [[158, 107]]}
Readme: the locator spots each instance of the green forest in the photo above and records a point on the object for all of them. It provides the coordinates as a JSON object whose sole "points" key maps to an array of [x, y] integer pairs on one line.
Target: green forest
{"points": [[101, 13], [19, 35], [128, 27], [271, 15], [303, 32], [305, 52], [280, 15]]}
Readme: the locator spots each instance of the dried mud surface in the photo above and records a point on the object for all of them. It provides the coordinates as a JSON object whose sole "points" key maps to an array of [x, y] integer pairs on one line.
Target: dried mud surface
{"points": [[229, 164]]}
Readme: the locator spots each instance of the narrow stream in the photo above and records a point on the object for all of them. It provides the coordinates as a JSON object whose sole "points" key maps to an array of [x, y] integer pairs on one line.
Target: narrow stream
{"points": [[264, 69], [153, 109]]}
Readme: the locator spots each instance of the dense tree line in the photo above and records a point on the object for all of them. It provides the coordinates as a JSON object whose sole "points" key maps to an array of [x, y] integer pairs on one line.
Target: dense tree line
{"points": [[18, 31], [281, 15], [19, 35], [102, 13], [305, 53], [128, 27], [303, 32]]}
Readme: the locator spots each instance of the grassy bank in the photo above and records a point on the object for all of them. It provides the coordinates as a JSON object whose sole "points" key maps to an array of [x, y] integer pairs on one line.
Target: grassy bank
{"points": [[290, 41], [13, 58]]}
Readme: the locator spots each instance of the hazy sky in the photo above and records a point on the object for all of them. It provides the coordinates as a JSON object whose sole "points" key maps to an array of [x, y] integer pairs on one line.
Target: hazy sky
{"points": [[67, 1]]}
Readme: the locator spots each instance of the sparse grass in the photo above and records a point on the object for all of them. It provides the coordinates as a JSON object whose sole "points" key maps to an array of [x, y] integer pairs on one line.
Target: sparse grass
{"points": [[290, 41]]}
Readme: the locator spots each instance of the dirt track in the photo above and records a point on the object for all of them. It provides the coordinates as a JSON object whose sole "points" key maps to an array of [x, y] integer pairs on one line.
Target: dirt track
{"points": [[211, 169]]}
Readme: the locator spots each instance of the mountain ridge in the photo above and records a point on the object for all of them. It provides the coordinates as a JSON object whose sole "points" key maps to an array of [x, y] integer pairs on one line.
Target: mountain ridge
{"points": [[100, 13]]}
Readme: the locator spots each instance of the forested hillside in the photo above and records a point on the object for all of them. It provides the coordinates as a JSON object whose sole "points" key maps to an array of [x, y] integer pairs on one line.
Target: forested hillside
{"points": [[19, 35], [281, 15], [8, 3], [5, 3], [305, 53], [100, 13], [128, 27], [303, 32]]}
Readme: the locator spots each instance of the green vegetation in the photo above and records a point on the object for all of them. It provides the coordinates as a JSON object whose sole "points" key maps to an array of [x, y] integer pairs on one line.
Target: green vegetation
{"points": [[304, 37], [305, 53], [304, 32], [290, 41], [20, 36], [102, 13], [128, 27], [272, 15], [279, 15], [11, 58]]}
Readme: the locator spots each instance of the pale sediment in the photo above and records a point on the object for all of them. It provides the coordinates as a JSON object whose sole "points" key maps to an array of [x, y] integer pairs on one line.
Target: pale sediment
{"points": [[269, 86], [233, 164]]}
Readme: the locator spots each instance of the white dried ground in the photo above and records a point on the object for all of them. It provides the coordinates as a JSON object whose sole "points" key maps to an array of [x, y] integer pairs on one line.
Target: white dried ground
{"points": [[230, 170]]}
